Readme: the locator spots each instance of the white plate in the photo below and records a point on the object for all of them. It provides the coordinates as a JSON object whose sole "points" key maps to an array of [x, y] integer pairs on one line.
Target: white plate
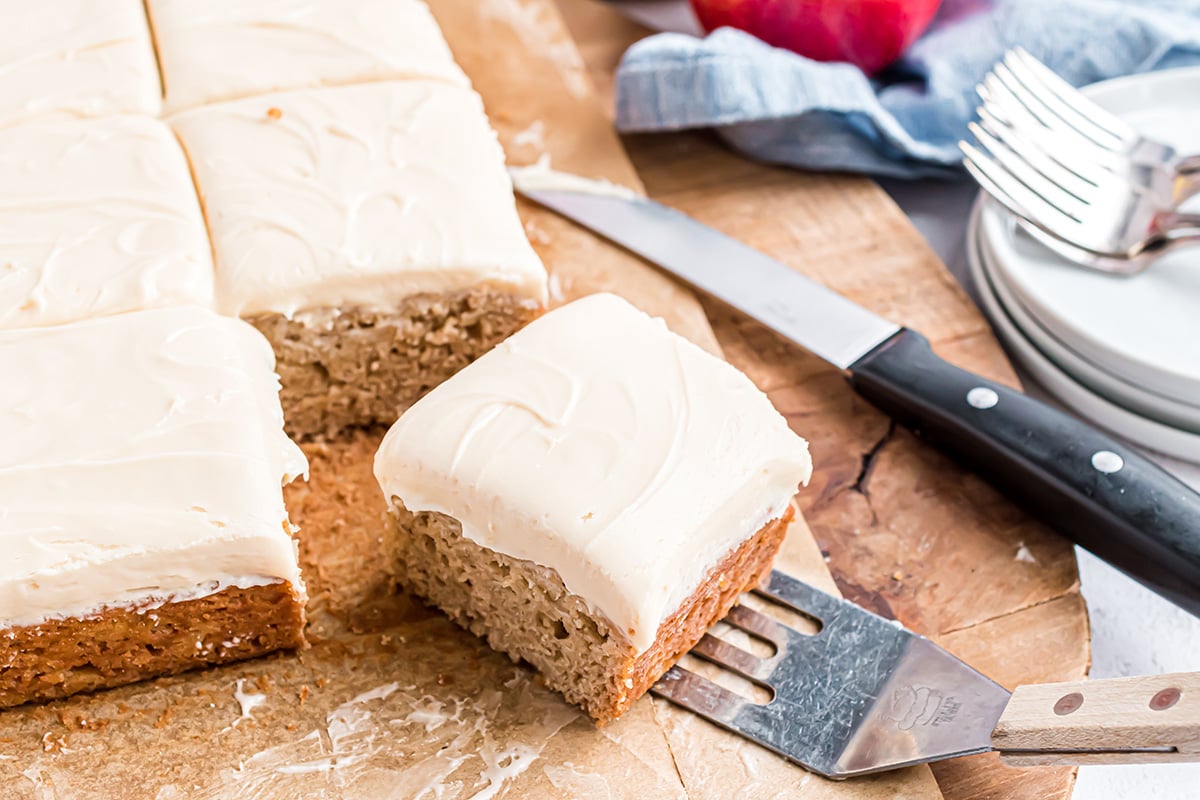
{"points": [[1134, 398], [1144, 329], [1100, 412]]}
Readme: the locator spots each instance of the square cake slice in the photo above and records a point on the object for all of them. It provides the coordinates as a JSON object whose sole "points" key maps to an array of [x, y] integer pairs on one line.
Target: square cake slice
{"points": [[100, 217], [370, 232], [590, 496], [76, 58], [219, 50], [141, 506]]}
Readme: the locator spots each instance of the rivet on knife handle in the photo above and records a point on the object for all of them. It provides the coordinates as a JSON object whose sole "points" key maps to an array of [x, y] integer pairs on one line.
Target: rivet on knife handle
{"points": [[1100, 492], [1080, 481]]}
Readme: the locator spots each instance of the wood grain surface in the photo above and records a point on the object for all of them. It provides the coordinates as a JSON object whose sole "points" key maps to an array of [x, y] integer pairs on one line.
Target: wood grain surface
{"points": [[906, 532], [1152, 719]]}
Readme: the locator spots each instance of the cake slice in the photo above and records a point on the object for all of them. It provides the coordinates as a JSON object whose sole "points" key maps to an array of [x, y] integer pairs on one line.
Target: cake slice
{"points": [[100, 217], [76, 58], [141, 507], [220, 50], [590, 496], [370, 232]]}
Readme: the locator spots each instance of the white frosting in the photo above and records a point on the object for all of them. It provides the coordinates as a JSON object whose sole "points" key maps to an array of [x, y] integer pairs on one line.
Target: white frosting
{"points": [[97, 217], [75, 58], [541, 177], [597, 443], [143, 460], [356, 196], [217, 50]]}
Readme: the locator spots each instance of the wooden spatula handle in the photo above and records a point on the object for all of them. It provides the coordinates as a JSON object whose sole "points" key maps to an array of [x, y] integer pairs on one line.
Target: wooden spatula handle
{"points": [[1116, 721]]}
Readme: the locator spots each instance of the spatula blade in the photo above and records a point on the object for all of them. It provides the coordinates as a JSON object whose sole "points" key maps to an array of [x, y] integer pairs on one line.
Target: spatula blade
{"points": [[862, 695]]}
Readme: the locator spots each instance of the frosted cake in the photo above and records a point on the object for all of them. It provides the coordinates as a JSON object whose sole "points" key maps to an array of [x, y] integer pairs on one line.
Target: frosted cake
{"points": [[141, 509], [370, 232], [100, 217], [590, 496], [75, 58], [220, 50]]}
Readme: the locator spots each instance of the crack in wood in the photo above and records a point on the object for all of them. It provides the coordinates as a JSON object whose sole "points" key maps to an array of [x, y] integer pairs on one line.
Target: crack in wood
{"points": [[869, 460], [1069, 592]]}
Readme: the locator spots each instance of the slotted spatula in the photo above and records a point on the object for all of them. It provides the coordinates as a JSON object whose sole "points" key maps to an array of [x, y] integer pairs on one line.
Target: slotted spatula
{"points": [[863, 695]]}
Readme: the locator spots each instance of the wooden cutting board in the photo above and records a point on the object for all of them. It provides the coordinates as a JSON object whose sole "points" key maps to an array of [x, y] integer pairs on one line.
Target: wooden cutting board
{"points": [[394, 701], [906, 533]]}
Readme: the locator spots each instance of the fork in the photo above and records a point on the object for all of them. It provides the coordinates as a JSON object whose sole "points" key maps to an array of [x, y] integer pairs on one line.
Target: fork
{"points": [[858, 694], [1103, 222], [1050, 114]]}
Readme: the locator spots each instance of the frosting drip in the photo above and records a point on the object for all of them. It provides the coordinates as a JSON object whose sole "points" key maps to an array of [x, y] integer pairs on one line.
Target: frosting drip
{"points": [[144, 456], [75, 58], [97, 217], [597, 443], [356, 196], [221, 50]]}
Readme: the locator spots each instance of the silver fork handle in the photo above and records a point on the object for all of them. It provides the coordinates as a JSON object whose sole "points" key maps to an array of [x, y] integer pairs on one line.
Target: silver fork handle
{"points": [[1189, 165], [1117, 265], [1183, 179], [1178, 223], [1187, 178]]}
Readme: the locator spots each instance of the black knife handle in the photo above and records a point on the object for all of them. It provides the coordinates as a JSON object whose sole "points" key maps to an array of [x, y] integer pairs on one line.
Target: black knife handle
{"points": [[1088, 486]]}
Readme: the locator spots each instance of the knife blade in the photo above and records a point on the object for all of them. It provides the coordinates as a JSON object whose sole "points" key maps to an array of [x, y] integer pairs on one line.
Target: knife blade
{"points": [[1090, 487]]}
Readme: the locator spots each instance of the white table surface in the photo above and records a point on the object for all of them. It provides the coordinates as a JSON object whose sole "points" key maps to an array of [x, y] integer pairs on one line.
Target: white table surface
{"points": [[1134, 631]]}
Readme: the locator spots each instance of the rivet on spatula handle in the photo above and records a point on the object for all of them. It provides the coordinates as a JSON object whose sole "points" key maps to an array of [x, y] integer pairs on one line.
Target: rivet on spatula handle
{"points": [[1117, 721]]}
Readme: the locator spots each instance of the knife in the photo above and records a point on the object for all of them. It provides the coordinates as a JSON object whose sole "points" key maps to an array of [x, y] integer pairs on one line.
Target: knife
{"points": [[1085, 484]]}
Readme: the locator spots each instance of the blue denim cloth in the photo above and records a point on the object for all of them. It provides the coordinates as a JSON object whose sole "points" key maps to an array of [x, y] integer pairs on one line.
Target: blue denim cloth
{"points": [[782, 108]]}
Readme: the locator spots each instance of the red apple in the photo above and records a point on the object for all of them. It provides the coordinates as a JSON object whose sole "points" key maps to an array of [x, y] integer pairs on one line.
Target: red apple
{"points": [[868, 33]]}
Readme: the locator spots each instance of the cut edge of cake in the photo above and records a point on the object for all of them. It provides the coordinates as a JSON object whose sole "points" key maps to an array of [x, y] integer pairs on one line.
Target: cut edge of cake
{"points": [[183, 556], [357, 367], [523, 609], [118, 646]]}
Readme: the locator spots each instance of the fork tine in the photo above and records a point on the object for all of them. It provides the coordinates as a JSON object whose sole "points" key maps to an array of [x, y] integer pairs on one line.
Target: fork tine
{"points": [[1080, 155], [1014, 196], [1027, 174], [732, 657], [1035, 73], [1013, 109], [978, 165], [1052, 112], [1008, 93], [1037, 158]]}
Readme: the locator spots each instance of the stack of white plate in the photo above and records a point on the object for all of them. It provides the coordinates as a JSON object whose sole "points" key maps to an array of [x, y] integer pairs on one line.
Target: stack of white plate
{"points": [[1123, 352]]}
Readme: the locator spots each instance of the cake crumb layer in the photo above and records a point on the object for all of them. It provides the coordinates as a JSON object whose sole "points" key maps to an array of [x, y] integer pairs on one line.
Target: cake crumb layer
{"points": [[525, 611], [344, 368], [61, 657]]}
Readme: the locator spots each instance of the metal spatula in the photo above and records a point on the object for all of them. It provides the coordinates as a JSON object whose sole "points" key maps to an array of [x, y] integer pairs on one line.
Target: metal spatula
{"points": [[864, 695]]}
